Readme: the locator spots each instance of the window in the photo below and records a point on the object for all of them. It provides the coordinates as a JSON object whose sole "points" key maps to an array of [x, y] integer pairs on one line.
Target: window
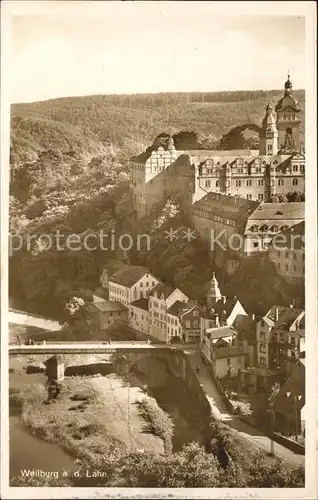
{"points": [[281, 337], [269, 147], [188, 324], [217, 184], [195, 324], [295, 182], [238, 183], [153, 283], [195, 313], [248, 182], [260, 182], [286, 254], [248, 196], [295, 168], [262, 360], [255, 244], [147, 283], [292, 340], [280, 182], [228, 361], [260, 197], [262, 335], [262, 323], [207, 183], [262, 348]]}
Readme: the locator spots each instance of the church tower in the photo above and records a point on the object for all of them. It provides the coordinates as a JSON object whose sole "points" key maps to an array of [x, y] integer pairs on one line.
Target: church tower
{"points": [[268, 141], [288, 120], [214, 293]]}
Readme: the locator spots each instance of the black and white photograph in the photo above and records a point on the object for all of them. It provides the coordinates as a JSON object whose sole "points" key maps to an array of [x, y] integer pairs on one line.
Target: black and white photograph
{"points": [[159, 249]]}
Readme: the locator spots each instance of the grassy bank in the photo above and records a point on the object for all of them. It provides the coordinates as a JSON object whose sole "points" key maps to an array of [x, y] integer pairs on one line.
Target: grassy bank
{"points": [[114, 428], [89, 418]]}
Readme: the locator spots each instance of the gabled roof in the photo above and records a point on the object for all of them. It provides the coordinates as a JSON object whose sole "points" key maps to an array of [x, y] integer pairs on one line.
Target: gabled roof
{"points": [[109, 306], [287, 319], [179, 307], [142, 303], [129, 275], [222, 308], [275, 311], [162, 289]]}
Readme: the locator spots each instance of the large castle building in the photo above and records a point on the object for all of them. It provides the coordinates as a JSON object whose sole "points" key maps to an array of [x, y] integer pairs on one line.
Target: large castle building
{"points": [[267, 175]]}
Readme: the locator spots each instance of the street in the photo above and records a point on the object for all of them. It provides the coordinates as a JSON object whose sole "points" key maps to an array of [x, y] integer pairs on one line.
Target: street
{"points": [[220, 412]]}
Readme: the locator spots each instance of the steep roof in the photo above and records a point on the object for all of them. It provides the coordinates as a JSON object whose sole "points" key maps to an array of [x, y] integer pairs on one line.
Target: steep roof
{"points": [[287, 318], [109, 306], [222, 308], [275, 311], [162, 289], [179, 307], [142, 303], [128, 275]]}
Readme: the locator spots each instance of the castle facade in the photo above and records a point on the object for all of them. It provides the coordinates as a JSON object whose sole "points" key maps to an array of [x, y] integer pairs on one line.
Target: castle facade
{"points": [[267, 175]]}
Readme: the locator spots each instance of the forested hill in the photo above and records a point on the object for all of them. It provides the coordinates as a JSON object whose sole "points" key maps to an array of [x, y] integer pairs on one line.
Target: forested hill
{"points": [[69, 160], [140, 118]]}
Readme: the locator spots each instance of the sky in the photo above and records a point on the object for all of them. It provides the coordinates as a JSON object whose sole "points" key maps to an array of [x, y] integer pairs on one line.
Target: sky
{"points": [[135, 49]]}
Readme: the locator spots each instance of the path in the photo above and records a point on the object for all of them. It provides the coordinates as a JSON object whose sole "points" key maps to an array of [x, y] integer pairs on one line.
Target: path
{"points": [[219, 410]]}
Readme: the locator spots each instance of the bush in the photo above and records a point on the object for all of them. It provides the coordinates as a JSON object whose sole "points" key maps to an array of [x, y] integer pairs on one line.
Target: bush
{"points": [[159, 422]]}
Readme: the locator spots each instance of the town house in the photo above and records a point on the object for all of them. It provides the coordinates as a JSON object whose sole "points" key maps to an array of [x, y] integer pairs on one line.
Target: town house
{"points": [[161, 298], [131, 283]]}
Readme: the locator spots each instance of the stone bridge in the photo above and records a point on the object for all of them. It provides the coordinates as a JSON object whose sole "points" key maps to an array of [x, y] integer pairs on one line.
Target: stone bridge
{"points": [[122, 356]]}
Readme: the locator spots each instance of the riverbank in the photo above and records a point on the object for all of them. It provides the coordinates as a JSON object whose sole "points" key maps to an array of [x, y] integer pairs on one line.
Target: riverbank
{"points": [[102, 421], [90, 417]]}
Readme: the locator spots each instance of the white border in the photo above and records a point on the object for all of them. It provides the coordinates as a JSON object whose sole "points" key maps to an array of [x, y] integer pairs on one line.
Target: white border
{"points": [[303, 8]]}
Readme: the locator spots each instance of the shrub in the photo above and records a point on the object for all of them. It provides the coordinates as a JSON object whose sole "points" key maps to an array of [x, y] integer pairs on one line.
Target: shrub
{"points": [[159, 422]]}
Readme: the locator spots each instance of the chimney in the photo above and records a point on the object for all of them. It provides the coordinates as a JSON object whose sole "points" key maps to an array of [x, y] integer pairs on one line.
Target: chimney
{"points": [[217, 322], [235, 298], [253, 317], [291, 306], [276, 313]]}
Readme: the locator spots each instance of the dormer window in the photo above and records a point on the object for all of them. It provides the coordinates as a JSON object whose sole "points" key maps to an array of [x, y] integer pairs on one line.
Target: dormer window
{"points": [[278, 213]]}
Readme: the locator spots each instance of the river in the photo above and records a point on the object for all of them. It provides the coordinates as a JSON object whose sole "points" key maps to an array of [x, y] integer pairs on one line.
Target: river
{"points": [[28, 452], [172, 395]]}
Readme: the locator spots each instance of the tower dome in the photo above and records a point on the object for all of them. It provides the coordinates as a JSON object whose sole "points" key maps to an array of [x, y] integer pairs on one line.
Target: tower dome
{"points": [[214, 293]]}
